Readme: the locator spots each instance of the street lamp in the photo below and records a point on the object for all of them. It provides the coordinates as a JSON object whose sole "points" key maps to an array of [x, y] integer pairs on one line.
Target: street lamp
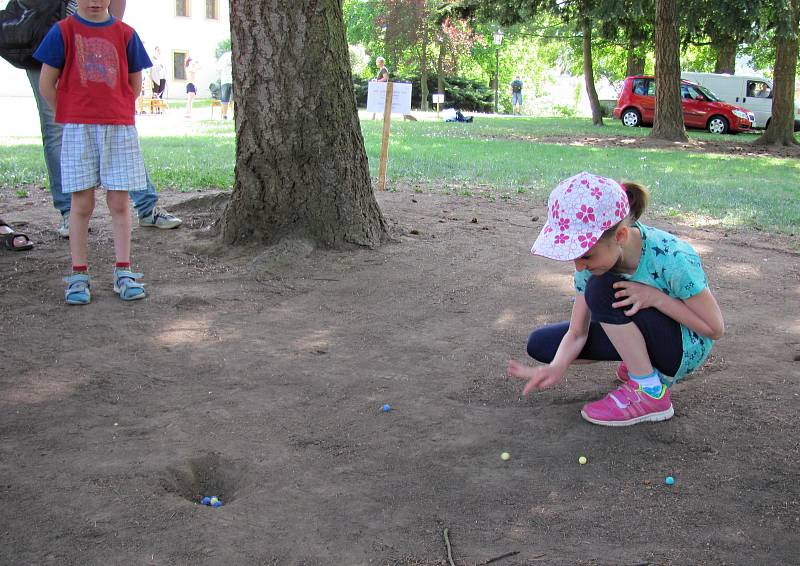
{"points": [[498, 40]]}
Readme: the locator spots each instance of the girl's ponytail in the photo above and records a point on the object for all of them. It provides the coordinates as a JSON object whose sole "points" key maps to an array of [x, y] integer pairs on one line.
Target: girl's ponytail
{"points": [[638, 197]]}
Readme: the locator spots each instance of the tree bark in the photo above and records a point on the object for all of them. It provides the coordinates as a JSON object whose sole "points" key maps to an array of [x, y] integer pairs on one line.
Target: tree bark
{"points": [[668, 119], [440, 68], [301, 168], [634, 64], [423, 80], [780, 131], [635, 61], [588, 73], [726, 55]]}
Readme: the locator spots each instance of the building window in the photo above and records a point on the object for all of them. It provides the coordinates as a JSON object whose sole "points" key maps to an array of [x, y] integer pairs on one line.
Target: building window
{"points": [[183, 8], [212, 9], [179, 65]]}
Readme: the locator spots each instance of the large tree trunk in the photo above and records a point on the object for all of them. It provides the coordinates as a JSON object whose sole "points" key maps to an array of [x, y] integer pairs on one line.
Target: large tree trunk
{"points": [[781, 126], [440, 68], [588, 73], [635, 61], [301, 168], [668, 120], [423, 80], [725, 49]]}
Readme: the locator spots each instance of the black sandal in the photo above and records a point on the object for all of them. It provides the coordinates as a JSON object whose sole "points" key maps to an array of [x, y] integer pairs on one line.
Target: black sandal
{"points": [[8, 240]]}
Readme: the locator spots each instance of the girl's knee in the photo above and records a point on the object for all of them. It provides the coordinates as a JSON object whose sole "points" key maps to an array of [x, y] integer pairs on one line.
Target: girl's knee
{"points": [[600, 291], [543, 343]]}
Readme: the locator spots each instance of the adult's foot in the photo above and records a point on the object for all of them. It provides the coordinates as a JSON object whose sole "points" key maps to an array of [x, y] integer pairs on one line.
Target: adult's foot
{"points": [[160, 219], [63, 230], [13, 240]]}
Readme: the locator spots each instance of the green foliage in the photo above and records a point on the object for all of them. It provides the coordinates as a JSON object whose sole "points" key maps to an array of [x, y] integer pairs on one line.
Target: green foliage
{"points": [[494, 158], [222, 47], [567, 111], [502, 155], [460, 92]]}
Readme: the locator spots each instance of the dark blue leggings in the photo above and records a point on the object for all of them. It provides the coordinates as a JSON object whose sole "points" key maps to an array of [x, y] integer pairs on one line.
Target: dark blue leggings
{"points": [[662, 335]]}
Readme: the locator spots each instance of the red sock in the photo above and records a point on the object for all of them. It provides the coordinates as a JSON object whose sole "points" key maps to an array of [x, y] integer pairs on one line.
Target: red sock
{"points": [[80, 268], [123, 265]]}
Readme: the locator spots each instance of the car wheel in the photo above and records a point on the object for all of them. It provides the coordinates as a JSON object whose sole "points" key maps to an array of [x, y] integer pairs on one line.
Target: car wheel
{"points": [[631, 118], [718, 125]]}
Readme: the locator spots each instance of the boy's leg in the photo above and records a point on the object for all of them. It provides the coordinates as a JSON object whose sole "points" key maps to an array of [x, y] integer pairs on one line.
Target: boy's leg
{"points": [[51, 142], [118, 205], [80, 213]]}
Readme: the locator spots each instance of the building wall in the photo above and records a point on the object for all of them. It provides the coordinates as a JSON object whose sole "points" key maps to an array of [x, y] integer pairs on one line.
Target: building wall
{"points": [[158, 25]]}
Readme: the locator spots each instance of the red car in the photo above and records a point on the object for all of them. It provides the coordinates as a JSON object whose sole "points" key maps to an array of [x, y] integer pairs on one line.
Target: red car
{"points": [[701, 108]]}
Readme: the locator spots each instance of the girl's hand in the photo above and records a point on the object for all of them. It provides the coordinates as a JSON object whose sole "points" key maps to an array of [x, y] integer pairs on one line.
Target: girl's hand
{"points": [[538, 378], [635, 295]]}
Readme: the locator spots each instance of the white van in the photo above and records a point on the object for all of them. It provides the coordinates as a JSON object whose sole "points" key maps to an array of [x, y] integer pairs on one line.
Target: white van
{"points": [[751, 92]]}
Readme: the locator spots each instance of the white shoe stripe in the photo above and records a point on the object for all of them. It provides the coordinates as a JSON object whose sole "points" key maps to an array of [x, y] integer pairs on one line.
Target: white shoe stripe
{"points": [[617, 401]]}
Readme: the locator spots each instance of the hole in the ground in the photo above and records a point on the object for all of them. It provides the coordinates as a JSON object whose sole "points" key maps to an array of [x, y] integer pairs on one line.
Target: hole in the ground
{"points": [[205, 476]]}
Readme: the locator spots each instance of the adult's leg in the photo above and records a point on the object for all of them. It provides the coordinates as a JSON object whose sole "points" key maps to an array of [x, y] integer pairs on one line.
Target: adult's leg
{"points": [[51, 142], [190, 94], [145, 201], [227, 92]]}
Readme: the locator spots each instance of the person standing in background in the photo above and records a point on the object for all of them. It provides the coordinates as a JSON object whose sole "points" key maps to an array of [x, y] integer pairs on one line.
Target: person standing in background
{"points": [[190, 67], [516, 95], [225, 71], [158, 74], [143, 201]]}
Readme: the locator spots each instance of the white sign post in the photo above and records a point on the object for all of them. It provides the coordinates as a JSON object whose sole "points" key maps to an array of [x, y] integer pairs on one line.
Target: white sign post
{"points": [[388, 98], [438, 100], [401, 97]]}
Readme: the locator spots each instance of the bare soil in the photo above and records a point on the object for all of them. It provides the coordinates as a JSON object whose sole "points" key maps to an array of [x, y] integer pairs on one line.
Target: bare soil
{"points": [[258, 375]]}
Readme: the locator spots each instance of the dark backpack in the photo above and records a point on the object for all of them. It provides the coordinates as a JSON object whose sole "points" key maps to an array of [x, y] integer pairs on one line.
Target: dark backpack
{"points": [[23, 25]]}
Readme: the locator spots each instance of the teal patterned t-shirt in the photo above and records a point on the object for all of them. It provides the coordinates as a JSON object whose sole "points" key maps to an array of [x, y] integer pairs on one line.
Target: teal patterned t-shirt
{"points": [[673, 266]]}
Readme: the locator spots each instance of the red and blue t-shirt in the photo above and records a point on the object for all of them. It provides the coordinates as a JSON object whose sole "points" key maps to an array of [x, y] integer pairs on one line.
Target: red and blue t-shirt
{"points": [[95, 60]]}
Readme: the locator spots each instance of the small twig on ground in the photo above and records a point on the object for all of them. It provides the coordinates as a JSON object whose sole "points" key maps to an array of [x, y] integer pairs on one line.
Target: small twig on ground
{"points": [[538, 557], [449, 548], [496, 558]]}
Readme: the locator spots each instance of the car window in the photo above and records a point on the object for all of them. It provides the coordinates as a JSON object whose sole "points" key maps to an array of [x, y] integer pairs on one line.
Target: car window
{"points": [[640, 86], [709, 95], [651, 87], [758, 89]]}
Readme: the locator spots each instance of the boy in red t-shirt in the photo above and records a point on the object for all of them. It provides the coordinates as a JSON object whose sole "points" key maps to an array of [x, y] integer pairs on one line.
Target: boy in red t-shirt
{"points": [[91, 75]]}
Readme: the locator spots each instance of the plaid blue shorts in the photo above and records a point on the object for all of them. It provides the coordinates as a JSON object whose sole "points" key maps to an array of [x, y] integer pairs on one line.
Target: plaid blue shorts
{"points": [[104, 155]]}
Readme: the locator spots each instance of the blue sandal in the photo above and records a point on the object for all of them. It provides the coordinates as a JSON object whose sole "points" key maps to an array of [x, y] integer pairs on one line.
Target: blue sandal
{"points": [[125, 285], [77, 291]]}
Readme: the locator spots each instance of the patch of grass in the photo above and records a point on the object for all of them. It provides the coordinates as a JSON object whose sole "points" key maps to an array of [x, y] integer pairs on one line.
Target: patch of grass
{"points": [[495, 156], [191, 162], [751, 191]]}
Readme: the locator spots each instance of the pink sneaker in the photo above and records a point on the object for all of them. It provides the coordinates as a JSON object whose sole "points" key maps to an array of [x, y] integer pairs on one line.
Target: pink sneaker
{"points": [[622, 373], [628, 405]]}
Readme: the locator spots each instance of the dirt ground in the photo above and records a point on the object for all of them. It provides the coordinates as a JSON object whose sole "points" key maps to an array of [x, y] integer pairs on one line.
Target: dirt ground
{"points": [[259, 376]]}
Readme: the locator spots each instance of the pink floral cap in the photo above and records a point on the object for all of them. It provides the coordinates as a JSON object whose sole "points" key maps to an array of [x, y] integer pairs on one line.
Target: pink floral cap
{"points": [[579, 210]]}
